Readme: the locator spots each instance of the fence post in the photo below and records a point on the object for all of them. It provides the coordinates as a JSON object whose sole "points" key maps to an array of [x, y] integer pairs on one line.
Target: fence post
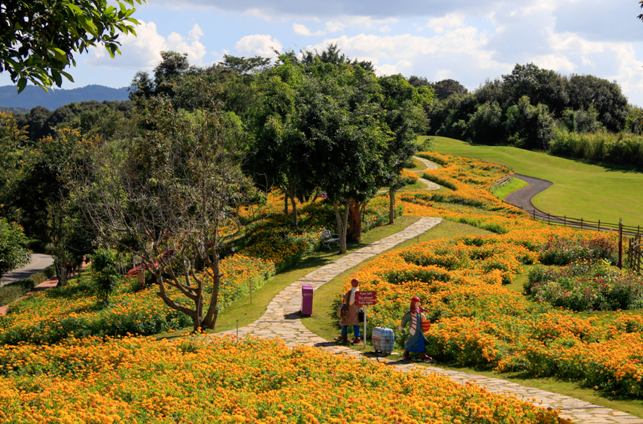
{"points": [[581, 224], [620, 243], [599, 225], [565, 220], [548, 220]]}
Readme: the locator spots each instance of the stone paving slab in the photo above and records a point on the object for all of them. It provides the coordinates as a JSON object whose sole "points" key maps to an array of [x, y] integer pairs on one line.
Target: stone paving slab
{"points": [[281, 320]]}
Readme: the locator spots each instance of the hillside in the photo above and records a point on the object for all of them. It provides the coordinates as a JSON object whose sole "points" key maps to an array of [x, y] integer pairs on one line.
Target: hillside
{"points": [[34, 96]]}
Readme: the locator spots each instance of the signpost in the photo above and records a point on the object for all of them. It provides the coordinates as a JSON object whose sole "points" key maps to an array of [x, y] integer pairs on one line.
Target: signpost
{"points": [[365, 298]]}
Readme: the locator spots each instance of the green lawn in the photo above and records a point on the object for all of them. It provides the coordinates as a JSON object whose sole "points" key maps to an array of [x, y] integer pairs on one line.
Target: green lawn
{"points": [[505, 190], [419, 166], [245, 312], [580, 190], [324, 320]]}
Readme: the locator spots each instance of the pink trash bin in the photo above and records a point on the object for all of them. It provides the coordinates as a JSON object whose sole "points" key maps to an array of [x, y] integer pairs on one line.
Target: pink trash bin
{"points": [[306, 299]]}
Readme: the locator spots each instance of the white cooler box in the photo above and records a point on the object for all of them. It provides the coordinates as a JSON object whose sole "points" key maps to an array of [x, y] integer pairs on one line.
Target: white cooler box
{"points": [[383, 340]]}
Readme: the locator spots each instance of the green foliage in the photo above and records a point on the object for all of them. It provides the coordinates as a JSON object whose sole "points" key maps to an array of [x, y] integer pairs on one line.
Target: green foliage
{"points": [[39, 38], [13, 253], [106, 272], [485, 124], [530, 126], [602, 146]]}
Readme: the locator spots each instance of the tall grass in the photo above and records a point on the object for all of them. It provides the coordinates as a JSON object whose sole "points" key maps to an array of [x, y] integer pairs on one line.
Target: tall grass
{"points": [[622, 149]]}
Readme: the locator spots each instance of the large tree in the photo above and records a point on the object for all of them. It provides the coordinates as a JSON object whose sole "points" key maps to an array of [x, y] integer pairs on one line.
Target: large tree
{"points": [[39, 38], [403, 106], [344, 125], [170, 196]]}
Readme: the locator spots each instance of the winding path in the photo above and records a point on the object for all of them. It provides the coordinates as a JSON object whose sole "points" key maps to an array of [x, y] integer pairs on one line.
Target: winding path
{"points": [[522, 198], [282, 320]]}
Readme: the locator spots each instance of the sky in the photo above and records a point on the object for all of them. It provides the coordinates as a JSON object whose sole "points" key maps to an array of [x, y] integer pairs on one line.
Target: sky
{"points": [[466, 40]]}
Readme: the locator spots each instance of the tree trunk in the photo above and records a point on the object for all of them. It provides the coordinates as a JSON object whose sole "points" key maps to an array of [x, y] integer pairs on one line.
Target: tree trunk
{"points": [[294, 212], [391, 207], [342, 224], [355, 229], [61, 272], [285, 203], [210, 319]]}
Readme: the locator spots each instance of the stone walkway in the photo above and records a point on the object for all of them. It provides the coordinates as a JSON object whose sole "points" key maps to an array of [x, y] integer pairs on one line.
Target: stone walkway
{"points": [[282, 320], [429, 165]]}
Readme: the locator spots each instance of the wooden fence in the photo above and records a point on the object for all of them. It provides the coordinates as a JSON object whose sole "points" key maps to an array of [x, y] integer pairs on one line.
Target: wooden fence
{"points": [[635, 254], [502, 181], [585, 224]]}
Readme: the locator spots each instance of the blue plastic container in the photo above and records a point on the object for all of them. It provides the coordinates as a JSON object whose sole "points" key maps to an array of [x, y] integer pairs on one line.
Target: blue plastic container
{"points": [[383, 340]]}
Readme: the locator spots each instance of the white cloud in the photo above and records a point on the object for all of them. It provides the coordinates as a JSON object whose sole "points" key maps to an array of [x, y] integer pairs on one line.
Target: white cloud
{"points": [[144, 51], [385, 29], [303, 30], [467, 42], [335, 26], [556, 62], [190, 44], [401, 67], [452, 20], [261, 45]]}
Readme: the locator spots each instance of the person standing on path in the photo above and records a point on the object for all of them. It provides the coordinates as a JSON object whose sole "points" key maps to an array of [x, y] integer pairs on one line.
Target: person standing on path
{"points": [[349, 314], [416, 341]]}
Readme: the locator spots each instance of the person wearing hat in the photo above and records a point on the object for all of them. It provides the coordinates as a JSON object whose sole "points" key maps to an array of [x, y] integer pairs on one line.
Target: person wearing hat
{"points": [[349, 314], [419, 324]]}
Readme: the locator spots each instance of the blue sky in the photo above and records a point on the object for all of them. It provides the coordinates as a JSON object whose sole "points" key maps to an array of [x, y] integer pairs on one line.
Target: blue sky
{"points": [[467, 40]]}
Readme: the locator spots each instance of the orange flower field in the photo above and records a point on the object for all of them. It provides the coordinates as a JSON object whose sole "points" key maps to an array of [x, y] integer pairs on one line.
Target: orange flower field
{"points": [[202, 380], [478, 321], [75, 310], [62, 362]]}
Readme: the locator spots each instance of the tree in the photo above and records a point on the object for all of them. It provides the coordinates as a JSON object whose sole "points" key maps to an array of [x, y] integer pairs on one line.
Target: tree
{"points": [[404, 116], [528, 126], [485, 124], [606, 97], [38, 38], [342, 121], [13, 253], [280, 155], [540, 85], [170, 196], [445, 88]]}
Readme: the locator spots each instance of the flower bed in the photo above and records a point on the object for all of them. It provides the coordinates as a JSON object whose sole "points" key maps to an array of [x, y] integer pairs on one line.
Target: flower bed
{"points": [[478, 322], [75, 310], [199, 380], [587, 286]]}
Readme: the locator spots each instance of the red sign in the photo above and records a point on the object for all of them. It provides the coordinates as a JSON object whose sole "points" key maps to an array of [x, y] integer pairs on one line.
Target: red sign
{"points": [[365, 298]]}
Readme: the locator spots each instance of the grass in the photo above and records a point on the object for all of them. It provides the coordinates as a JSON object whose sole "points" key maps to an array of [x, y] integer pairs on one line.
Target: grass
{"points": [[324, 321], [580, 190], [504, 190], [246, 312], [419, 166]]}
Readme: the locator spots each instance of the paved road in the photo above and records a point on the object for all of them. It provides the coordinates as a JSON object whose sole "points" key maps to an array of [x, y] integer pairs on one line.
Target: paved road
{"points": [[522, 198], [38, 262]]}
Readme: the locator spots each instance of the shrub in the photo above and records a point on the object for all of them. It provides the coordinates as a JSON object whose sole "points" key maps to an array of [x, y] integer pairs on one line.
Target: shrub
{"points": [[587, 286], [565, 250]]}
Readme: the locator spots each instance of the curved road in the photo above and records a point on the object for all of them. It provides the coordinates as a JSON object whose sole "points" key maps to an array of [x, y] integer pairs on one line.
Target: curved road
{"points": [[38, 262], [522, 198]]}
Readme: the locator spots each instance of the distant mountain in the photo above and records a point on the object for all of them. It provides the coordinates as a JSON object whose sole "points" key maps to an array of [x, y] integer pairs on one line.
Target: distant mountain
{"points": [[35, 96], [14, 110]]}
